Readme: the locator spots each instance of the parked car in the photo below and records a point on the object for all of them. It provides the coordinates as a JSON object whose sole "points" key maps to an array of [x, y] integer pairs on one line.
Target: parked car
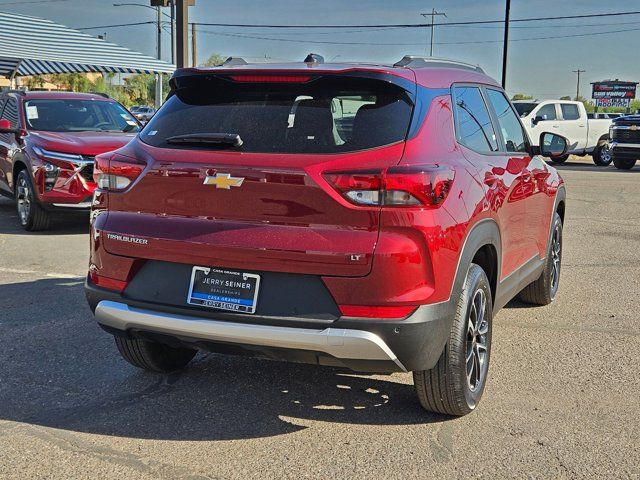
{"points": [[569, 119], [48, 141], [144, 114], [380, 229], [625, 141]]}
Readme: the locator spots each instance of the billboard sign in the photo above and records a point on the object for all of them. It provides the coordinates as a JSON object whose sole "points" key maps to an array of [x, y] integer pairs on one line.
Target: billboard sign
{"points": [[614, 93]]}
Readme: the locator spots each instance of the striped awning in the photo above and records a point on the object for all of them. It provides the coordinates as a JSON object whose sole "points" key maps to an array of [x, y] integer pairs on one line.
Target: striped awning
{"points": [[35, 46]]}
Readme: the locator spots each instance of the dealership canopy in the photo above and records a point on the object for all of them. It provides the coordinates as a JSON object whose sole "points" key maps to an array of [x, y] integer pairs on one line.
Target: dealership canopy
{"points": [[35, 46]]}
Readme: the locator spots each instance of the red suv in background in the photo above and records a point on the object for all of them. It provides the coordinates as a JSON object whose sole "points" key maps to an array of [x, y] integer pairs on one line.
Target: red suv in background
{"points": [[48, 141], [368, 216]]}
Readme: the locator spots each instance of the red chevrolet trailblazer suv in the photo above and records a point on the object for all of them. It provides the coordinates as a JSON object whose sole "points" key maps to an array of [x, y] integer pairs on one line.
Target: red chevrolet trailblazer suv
{"points": [[47, 144], [366, 216]]}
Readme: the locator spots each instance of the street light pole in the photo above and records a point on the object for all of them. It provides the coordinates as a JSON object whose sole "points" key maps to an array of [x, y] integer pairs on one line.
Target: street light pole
{"points": [[433, 15]]}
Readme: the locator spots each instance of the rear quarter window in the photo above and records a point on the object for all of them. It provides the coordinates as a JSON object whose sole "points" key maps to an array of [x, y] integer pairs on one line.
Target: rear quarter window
{"points": [[569, 111], [473, 122], [325, 115]]}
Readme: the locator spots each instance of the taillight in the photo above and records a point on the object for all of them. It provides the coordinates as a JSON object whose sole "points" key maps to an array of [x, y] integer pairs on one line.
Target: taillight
{"points": [[107, 283], [375, 311], [405, 186], [361, 188], [115, 172]]}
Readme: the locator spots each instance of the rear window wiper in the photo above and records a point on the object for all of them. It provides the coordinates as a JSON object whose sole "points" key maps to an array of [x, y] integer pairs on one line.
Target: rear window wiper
{"points": [[226, 139]]}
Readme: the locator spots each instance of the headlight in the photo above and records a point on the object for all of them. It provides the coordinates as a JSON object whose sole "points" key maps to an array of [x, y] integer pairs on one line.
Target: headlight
{"points": [[51, 172], [65, 157]]}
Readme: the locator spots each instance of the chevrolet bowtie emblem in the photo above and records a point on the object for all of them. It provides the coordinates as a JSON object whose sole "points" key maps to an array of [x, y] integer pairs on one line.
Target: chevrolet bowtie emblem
{"points": [[223, 180]]}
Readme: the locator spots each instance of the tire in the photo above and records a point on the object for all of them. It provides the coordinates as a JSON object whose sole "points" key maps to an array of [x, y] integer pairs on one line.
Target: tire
{"points": [[31, 215], [153, 356], [446, 388], [559, 160], [543, 291], [623, 163], [602, 155]]}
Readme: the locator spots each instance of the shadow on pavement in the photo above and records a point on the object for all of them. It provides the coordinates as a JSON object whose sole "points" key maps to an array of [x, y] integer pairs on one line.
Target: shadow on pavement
{"points": [[62, 224], [583, 167], [61, 371]]}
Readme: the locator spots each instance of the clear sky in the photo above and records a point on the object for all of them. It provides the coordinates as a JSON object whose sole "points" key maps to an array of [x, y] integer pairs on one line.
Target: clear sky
{"points": [[538, 66]]}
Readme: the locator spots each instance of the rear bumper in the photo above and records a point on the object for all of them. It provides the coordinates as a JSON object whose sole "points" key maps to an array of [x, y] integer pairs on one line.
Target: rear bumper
{"points": [[342, 344], [365, 345]]}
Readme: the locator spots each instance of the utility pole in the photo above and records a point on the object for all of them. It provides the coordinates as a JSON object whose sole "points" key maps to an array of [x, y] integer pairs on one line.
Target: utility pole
{"points": [[158, 102], [182, 33], [194, 46], [578, 84], [173, 31], [505, 47], [433, 15]]}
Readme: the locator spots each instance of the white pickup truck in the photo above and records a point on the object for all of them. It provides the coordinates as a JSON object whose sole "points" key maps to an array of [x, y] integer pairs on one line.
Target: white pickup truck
{"points": [[586, 136]]}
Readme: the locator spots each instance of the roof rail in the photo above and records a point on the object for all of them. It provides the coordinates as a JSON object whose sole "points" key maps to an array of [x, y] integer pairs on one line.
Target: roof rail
{"points": [[102, 94], [413, 61], [314, 58], [232, 61]]}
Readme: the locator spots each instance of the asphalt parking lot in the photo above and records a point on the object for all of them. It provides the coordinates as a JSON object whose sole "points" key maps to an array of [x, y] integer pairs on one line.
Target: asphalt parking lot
{"points": [[563, 398]]}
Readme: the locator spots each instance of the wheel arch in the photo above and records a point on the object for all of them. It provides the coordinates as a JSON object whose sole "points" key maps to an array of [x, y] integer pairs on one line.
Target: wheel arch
{"points": [[559, 206], [482, 245], [602, 140], [18, 165]]}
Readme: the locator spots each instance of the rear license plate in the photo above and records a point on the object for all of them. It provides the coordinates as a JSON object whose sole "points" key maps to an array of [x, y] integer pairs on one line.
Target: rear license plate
{"points": [[224, 289]]}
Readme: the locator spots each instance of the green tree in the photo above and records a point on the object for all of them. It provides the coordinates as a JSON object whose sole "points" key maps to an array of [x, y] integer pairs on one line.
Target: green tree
{"points": [[566, 97], [215, 60], [522, 96], [75, 82], [588, 104], [36, 81]]}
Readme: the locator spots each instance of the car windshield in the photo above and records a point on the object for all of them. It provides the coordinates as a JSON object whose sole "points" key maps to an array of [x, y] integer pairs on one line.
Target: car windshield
{"points": [[71, 115], [325, 115], [524, 108]]}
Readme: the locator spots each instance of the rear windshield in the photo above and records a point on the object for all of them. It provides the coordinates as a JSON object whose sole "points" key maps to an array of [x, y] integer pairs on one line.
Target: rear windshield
{"points": [[325, 115], [69, 115], [524, 108]]}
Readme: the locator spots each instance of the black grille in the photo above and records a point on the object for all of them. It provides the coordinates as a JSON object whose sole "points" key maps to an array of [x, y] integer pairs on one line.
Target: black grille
{"points": [[626, 136], [87, 171]]}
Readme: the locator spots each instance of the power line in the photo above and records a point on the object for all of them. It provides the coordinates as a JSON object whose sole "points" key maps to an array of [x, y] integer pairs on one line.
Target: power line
{"points": [[117, 25], [470, 42], [417, 25], [378, 26], [31, 2]]}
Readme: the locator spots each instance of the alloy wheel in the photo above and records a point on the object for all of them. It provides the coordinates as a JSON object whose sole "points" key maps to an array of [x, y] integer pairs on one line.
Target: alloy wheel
{"points": [[477, 330], [23, 200], [605, 155], [556, 256]]}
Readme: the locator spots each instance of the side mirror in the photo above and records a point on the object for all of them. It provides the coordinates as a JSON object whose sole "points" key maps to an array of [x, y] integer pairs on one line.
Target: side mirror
{"points": [[539, 118], [552, 145], [5, 126]]}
